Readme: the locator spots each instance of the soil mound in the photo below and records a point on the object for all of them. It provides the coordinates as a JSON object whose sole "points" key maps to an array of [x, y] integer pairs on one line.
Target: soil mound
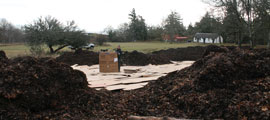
{"points": [[226, 84], [181, 54], [223, 69], [156, 59], [213, 48], [223, 84], [79, 57], [133, 58], [3, 55], [136, 58], [3, 58], [32, 88]]}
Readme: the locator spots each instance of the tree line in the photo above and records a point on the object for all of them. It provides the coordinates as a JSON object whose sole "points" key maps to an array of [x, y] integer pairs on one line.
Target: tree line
{"points": [[137, 30], [9, 33], [244, 20], [237, 21]]}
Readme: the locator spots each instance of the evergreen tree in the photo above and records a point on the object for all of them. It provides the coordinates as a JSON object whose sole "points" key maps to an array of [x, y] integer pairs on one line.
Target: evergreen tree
{"points": [[173, 25], [137, 27]]}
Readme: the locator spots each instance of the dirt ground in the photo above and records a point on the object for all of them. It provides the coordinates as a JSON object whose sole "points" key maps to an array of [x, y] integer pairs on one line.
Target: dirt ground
{"points": [[80, 58], [225, 83], [136, 58]]}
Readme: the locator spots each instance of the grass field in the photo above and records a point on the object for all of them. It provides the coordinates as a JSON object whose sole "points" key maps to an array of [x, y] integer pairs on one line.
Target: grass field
{"points": [[15, 50]]}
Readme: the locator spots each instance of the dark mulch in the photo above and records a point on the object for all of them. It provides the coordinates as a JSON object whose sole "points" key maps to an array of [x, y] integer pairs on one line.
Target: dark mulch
{"points": [[225, 83]]}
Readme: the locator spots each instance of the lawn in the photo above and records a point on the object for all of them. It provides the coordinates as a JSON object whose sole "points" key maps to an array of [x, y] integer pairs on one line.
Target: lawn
{"points": [[15, 50]]}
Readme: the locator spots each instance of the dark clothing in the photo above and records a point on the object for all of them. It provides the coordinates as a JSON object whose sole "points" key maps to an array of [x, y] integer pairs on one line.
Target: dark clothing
{"points": [[119, 53]]}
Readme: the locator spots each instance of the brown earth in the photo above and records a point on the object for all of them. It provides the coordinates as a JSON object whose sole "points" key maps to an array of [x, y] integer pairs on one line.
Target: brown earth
{"points": [[81, 58], [3, 55], [32, 88], [182, 54], [3, 58], [225, 83], [135, 58]]}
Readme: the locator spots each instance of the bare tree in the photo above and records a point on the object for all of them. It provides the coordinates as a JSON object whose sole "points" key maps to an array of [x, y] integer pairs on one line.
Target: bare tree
{"points": [[9, 33], [245, 11], [268, 44]]}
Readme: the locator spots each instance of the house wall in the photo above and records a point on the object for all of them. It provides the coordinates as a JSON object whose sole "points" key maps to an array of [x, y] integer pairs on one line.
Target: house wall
{"points": [[209, 40]]}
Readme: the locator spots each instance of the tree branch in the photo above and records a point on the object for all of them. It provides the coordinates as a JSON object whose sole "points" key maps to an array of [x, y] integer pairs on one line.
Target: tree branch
{"points": [[59, 48]]}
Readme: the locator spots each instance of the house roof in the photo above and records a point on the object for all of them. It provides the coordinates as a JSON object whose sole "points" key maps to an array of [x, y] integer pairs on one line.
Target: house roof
{"points": [[206, 35], [181, 38]]}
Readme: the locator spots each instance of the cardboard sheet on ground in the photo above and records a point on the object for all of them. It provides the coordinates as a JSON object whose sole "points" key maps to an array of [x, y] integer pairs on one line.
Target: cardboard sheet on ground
{"points": [[130, 77]]}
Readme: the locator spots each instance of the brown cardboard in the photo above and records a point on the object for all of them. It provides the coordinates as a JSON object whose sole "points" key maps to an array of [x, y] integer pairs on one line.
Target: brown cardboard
{"points": [[108, 62]]}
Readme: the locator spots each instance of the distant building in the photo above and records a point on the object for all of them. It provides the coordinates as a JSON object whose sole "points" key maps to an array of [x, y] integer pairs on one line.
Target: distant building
{"points": [[176, 38], [208, 38]]}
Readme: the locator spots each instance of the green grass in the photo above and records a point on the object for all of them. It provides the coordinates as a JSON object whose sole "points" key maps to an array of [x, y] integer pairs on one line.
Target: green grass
{"points": [[15, 50]]}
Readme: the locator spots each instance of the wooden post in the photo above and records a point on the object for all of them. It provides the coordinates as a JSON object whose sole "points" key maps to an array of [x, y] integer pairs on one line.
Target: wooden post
{"points": [[268, 45]]}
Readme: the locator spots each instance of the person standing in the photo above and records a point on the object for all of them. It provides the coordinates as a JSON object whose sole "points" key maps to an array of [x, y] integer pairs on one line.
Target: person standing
{"points": [[119, 53]]}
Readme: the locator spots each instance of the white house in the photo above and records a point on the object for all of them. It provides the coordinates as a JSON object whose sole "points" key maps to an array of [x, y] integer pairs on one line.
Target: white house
{"points": [[208, 38]]}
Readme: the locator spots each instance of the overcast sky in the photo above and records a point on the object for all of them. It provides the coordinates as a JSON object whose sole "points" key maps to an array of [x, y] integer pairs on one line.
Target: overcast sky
{"points": [[95, 15]]}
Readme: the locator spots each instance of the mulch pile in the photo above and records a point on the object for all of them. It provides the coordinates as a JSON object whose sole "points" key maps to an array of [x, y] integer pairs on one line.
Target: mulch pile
{"points": [[3, 58], [224, 83], [136, 58], [133, 58], [32, 88], [83, 57], [182, 54], [3, 55]]}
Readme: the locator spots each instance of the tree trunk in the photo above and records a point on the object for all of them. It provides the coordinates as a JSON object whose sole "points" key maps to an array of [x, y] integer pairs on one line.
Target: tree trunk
{"points": [[203, 40], [251, 40], [268, 45], [51, 49], [171, 38], [249, 24], [235, 38], [239, 39]]}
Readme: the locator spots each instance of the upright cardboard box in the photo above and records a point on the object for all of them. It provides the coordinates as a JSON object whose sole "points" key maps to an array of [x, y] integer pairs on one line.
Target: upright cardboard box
{"points": [[108, 62]]}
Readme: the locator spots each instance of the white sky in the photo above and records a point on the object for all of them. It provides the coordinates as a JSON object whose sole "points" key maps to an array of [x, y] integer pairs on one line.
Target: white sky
{"points": [[95, 15]]}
